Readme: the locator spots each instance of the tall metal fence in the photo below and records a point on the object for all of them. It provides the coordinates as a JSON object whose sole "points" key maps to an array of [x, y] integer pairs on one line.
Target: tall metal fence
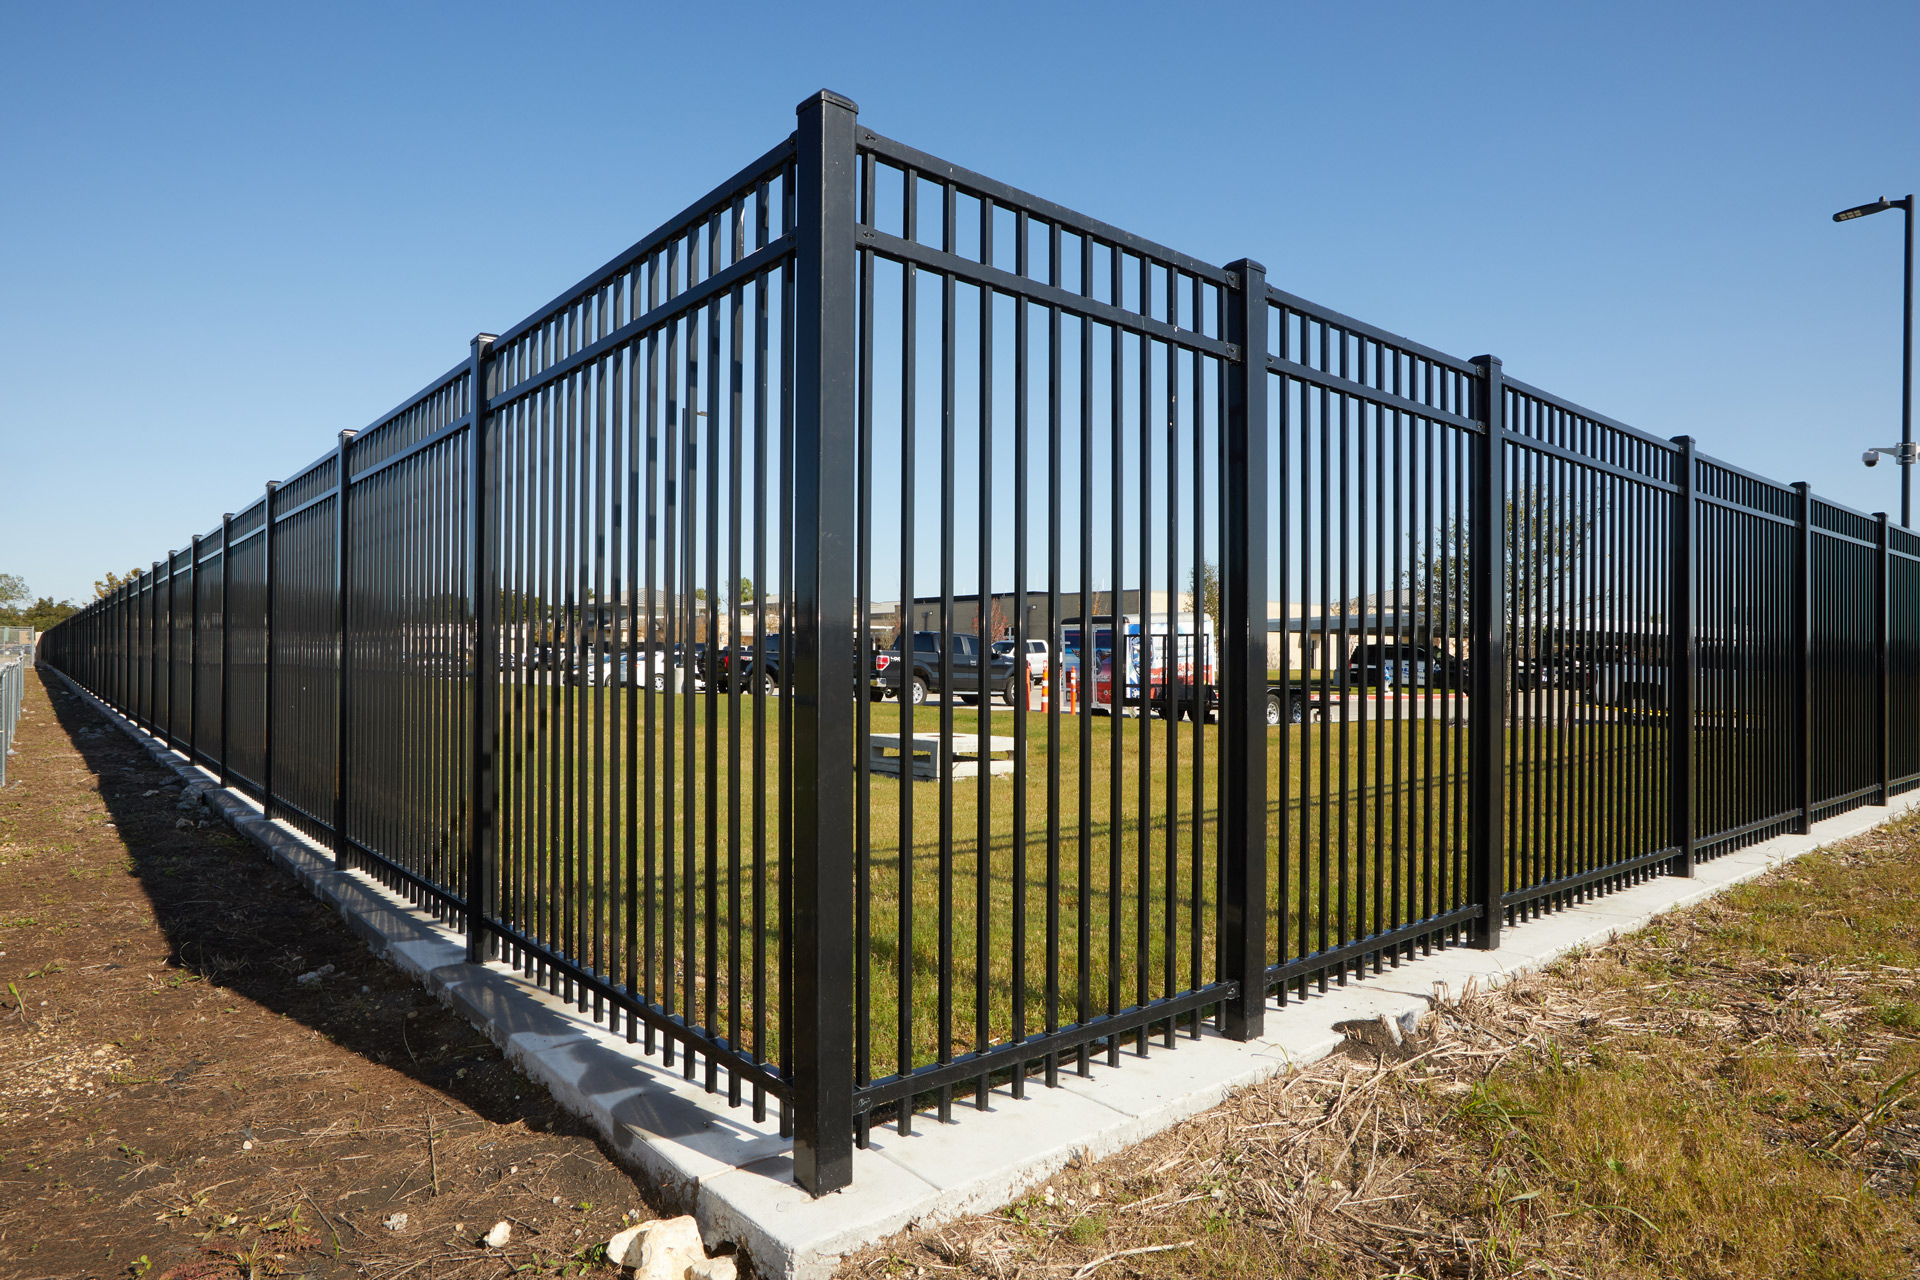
{"points": [[1418, 651]]}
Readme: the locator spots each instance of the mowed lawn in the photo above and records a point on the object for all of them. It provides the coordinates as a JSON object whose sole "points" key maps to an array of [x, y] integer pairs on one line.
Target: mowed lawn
{"points": [[1104, 891]]}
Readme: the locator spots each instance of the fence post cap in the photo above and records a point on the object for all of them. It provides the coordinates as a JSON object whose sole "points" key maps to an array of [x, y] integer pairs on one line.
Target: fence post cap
{"points": [[1247, 264], [826, 97], [1485, 360], [485, 340]]}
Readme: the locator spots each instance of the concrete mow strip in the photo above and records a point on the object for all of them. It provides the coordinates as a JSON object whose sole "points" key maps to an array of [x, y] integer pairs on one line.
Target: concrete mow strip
{"points": [[736, 1175]]}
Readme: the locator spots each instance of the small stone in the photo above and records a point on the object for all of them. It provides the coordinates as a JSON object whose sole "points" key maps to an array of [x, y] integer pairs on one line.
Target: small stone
{"points": [[713, 1269], [1409, 1023], [312, 979], [498, 1235], [181, 824], [247, 1145], [398, 1222], [661, 1250]]}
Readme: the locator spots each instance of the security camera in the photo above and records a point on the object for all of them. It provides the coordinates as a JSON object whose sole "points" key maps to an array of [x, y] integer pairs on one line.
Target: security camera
{"points": [[1871, 457]]}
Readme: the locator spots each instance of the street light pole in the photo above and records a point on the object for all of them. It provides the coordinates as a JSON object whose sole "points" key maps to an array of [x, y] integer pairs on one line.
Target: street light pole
{"points": [[1906, 455]]}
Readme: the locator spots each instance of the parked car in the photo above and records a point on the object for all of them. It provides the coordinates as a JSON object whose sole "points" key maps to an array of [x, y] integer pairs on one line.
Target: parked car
{"points": [[1406, 666], [915, 674], [1036, 656]]}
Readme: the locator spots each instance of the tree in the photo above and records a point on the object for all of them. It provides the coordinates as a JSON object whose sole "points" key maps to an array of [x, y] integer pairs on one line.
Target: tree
{"points": [[13, 591], [104, 587], [997, 621], [1206, 592], [746, 595], [44, 614], [1548, 545]]}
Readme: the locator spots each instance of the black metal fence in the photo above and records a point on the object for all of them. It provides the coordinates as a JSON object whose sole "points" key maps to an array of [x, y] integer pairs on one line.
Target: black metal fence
{"points": [[495, 648]]}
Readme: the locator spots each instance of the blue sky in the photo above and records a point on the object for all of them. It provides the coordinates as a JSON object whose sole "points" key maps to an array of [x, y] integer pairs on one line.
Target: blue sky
{"points": [[228, 232]]}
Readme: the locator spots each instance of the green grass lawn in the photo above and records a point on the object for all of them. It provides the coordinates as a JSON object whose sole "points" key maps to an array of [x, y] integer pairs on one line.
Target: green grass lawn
{"points": [[1376, 810]]}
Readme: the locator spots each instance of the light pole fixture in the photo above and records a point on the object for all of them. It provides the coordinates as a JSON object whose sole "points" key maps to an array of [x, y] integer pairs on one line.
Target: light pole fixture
{"points": [[1906, 453]]}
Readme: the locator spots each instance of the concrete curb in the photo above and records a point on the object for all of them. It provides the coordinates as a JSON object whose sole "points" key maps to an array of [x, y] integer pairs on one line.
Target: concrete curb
{"points": [[735, 1175]]}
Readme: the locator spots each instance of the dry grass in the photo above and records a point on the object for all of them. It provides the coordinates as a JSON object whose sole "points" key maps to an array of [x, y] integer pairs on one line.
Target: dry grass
{"points": [[1729, 1093]]}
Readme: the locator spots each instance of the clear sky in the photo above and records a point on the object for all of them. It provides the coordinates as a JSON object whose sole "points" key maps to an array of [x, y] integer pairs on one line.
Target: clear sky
{"points": [[229, 231]]}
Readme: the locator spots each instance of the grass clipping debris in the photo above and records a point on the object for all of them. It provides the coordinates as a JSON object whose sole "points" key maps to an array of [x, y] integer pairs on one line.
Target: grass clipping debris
{"points": [[1729, 1092]]}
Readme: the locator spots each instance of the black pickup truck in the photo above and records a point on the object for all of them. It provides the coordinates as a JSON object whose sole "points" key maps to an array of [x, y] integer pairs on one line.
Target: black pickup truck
{"points": [[916, 675]]}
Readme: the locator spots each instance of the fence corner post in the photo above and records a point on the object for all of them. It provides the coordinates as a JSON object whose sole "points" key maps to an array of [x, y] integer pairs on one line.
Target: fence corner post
{"points": [[821, 784], [342, 689], [1487, 662], [193, 650], [1882, 669], [1681, 654], [1242, 942], [483, 620], [1803, 653]]}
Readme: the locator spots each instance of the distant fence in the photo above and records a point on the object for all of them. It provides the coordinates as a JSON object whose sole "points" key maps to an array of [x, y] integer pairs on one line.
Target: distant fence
{"points": [[853, 373], [13, 691]]}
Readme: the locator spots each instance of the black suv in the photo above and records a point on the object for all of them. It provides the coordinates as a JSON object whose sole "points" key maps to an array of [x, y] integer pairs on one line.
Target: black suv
{"points": [[916, 675], [1406, 665]]}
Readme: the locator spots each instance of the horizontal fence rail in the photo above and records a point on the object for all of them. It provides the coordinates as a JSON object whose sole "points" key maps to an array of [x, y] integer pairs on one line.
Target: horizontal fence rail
{"points": [[885, 638]]}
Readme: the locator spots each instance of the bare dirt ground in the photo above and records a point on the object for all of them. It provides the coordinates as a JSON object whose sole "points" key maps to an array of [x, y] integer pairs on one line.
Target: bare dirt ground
{"points": [[174, 1104]]}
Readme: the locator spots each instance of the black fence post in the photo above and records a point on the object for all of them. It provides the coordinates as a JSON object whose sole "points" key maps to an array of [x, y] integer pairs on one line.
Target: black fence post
{"points": [[821, 784], [152, 649], [226, 642], [1487, 663], [266, 648], [483, 617], [193, 649], [1680, 661], [1803, 652], [166, 717], [1242, 945], [342, 579], [1882, 672]]}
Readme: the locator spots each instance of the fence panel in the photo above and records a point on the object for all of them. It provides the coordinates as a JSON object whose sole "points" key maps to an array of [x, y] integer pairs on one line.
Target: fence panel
{"points": [[306, 647], [409, 649], [1903, 661], [1846, 601], [209, 612], [246, 634], [1039, 454], [1370, 446], [1591, 510]]}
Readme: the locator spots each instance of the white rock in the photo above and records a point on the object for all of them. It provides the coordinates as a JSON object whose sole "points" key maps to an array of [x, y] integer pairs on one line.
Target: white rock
{"points": [[398, 1222], [713, 1269], [624, 1243], [659, 1250], [497, 1237]]}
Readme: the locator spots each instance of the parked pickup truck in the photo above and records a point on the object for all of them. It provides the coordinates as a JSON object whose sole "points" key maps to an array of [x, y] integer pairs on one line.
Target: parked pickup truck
{"points": [[916, 674], [759, 661]]}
